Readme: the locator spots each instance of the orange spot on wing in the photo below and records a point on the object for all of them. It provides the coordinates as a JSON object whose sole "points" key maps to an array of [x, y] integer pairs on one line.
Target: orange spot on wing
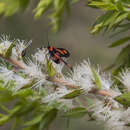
{"points": [[65, 51], [61, 52]]}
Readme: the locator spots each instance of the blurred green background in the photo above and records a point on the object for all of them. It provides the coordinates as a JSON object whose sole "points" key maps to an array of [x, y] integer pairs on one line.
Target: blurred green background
{"points": [[74, 35]]}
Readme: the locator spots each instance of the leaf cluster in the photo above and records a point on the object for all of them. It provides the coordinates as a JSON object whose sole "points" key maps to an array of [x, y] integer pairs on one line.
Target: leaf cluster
{"points": [[115, 19], [55, 9]]}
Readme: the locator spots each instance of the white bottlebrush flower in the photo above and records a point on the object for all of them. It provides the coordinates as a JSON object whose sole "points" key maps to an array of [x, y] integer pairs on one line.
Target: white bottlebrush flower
{"points": [[58, 67], [82, 76], [5, 73], [33, 69], [9, 76], [105, 80], [20, 45], [115, 122], [40, 55], [112, 103], [56, 95], [124, 77], [115, 92], [101, 111], [4, 44], [19, 82], [126, 116]]}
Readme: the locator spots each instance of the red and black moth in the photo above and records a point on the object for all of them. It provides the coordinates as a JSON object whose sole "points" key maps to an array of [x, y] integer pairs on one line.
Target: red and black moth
{"points": [[56, 55]]}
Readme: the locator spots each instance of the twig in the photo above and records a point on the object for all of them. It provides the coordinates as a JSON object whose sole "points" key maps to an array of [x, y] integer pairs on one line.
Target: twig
{"points": [[66, 83], [56, 80], [101, 92], [16, 63]]}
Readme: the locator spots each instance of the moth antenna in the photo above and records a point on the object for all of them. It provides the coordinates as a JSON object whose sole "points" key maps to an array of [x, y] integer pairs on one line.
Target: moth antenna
{"points": [[47, 39], [29, 43]]}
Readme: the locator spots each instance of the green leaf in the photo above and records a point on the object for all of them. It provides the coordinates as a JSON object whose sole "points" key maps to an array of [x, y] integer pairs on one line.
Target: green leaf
{"points": [[43, 6], [124, 99], [120, 42], [30, 84], [5, 96], [120, 6], [16, 121], [77, 100], [23, 4], [121, 17], [111, 21], [73, 94], [10, 7], [14, 110], [50, 68], [89, 102], [35, 120], [122, 28], [123, 56], [96, 78], [24, 92], [75, 1], [4, 108], [2, 7], [4, 119], [27, 107], [75, 112], [48, 118], [105, 5], [101, 22], [8, 53]]}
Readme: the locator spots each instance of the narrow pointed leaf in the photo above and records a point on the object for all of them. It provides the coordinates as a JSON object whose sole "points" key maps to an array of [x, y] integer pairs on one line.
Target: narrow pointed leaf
{"points": [[48, 118], [124, 99], [119, 42], [50, 68], [96, 77], [34, 121], [75, 112], [24, 92], [4, 119], [9, 50], [73, 94]]}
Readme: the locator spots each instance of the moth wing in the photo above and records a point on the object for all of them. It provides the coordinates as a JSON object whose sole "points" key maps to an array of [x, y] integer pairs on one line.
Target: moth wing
{"points": [[63, 52]]}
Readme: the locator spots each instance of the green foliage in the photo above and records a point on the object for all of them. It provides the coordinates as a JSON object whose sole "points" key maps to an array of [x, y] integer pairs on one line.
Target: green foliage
{"points": [[50, 68], [120, 42], [75, 112], [9, 7], [124, 99], [48, 118], [56, 9], [23, 107], [27, 109], [121, 61], [73, 94], [8, 53], [96, 78], [115, 18]]}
